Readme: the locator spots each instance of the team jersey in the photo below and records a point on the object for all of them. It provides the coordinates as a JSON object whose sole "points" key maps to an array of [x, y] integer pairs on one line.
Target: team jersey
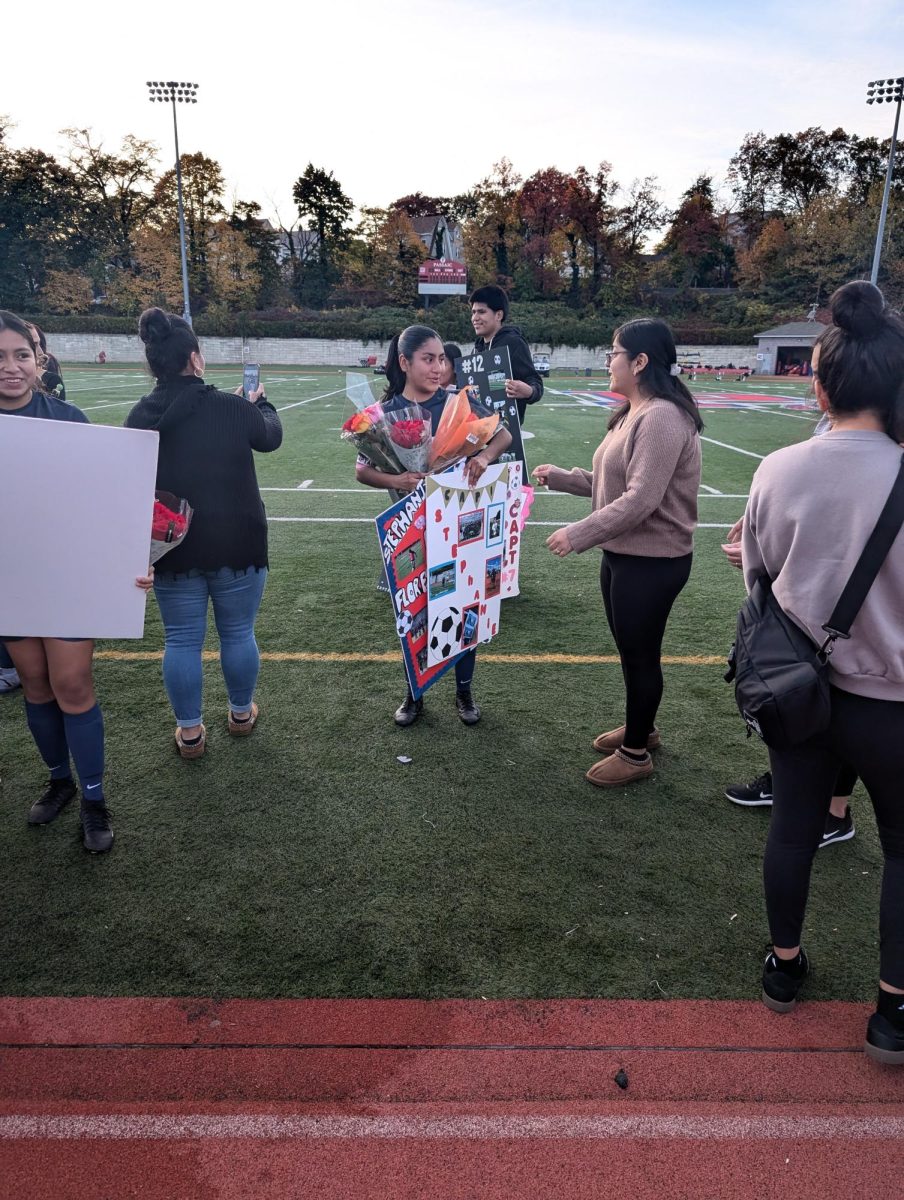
{"points": [[48, 408]]}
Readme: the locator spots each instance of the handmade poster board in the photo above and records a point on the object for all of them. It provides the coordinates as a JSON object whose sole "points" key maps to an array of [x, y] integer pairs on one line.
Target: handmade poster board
{"points": [[76, 533], [401, 533], [487, 371], [466, 534], [511, 557]]}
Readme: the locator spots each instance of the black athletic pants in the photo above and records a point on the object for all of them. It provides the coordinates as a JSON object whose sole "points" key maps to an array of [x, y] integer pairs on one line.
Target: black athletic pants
{"points": [[868, 735], [638, 593]]}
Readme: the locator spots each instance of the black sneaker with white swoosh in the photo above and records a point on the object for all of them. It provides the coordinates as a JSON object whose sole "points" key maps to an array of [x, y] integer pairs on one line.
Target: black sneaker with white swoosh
{"points": [[752, 795], [838, 829]]}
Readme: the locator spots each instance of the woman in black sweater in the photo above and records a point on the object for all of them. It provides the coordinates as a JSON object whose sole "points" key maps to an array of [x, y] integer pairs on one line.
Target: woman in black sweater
{"points": [[207, 439]]}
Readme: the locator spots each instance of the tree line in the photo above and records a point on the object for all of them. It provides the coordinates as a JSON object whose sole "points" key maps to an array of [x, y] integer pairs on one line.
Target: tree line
{"points": [[96, 232]]}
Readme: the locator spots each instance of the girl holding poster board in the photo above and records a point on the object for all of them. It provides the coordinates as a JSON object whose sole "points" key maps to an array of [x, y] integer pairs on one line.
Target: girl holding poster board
{"points": [[415, 369], [56, 673], [643, 489]]}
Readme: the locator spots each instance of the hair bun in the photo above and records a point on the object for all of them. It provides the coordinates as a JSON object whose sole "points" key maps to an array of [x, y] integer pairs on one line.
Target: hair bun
{"points": [[859, 309], [154, 325]]}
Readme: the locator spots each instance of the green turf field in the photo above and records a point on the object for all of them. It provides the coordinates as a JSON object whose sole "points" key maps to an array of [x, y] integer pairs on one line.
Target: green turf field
{"points": [[307, 861]]}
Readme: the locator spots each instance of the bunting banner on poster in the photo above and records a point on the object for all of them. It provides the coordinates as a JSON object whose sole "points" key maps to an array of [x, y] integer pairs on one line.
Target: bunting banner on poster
{"points": [[401, 533]]}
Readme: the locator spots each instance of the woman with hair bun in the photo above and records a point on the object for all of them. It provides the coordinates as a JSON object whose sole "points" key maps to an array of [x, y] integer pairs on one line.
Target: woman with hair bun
{"points": [[415, 368], [643, 487], [207, 440], [811, 510]]}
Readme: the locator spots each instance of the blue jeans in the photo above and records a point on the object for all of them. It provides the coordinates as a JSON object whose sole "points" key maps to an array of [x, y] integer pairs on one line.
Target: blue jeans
{"points": [[183, 599]]}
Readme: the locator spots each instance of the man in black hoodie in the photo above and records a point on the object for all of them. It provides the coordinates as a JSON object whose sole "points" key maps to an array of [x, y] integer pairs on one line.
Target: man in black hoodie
{"points": [[489, 309]]}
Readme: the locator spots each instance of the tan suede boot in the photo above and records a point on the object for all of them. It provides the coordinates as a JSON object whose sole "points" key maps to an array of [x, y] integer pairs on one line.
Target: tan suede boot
{"points": [[618, 769], [606, 743]]}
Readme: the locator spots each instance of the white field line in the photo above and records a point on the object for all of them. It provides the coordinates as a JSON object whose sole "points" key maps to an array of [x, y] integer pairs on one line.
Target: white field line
{"points": [[779, 412], [371, 520], [256, 1126], [311, 399], [737, 449], [710, 494], [712, 491], [108, 404]]}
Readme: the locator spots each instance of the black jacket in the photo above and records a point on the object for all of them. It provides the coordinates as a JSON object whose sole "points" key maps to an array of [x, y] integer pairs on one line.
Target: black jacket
{"points": [[522, 362], [207, 439]]}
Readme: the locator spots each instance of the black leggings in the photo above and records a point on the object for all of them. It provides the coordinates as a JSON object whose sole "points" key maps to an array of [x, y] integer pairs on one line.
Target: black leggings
{"points": [[638, 593], [868, 735]]}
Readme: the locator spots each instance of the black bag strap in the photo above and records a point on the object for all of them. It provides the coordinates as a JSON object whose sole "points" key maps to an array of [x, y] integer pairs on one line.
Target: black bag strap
{"points": [[874, 554]]}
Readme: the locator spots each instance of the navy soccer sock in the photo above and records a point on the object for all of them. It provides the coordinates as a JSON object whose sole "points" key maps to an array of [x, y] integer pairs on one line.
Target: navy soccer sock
{"points": [[85, 732], [48, 729], [464, 671]]}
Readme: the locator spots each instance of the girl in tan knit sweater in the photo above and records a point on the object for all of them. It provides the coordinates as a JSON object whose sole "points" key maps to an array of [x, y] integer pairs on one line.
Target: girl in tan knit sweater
{"points": [[643, 489]]}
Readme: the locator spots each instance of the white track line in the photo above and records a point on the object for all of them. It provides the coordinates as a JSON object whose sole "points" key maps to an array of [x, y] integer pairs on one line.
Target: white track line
{"points": [[645, 1127], [737, 449], [778, 412]]}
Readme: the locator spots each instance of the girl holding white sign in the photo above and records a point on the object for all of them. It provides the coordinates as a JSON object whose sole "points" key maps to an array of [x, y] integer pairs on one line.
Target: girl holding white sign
{"points": [[56, 673]]}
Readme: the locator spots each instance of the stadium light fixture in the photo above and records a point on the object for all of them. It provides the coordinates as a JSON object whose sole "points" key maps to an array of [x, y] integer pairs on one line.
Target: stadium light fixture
{"points": [[177, 93], [880, 91]]}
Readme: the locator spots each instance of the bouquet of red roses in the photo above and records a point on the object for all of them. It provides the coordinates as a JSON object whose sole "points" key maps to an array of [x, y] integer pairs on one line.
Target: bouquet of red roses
{"points": [[169, 524], [409, 432]]}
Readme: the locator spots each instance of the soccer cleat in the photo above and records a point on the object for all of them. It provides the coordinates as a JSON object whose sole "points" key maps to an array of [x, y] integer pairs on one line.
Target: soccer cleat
{"points": [[782, 980], [52, 801], [838, 829], [97, 830], [468, 708], [752, 795], [409, 710]]}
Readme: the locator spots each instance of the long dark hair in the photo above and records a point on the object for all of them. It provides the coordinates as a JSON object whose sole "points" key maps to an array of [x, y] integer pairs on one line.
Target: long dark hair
{"points": [[169, 342], [408, 342], [15, 324], [652, 337], [861, 355]]}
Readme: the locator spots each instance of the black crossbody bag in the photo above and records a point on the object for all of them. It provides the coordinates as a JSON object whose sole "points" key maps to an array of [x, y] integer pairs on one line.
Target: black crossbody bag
{"points": [[781, 676]]}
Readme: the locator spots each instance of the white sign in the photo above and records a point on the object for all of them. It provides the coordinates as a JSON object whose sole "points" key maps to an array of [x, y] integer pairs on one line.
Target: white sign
{"points": [[76, 502]]}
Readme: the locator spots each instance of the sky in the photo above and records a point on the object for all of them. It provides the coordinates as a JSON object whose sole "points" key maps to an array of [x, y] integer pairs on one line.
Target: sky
{"points": [[398, 97]]}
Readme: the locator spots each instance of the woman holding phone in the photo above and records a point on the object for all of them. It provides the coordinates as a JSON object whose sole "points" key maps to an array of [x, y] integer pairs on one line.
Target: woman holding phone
{"points": [[207, 440]]}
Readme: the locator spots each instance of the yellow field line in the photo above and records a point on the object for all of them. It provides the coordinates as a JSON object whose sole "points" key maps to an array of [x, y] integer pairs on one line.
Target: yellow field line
{"points": [[313, 656]]}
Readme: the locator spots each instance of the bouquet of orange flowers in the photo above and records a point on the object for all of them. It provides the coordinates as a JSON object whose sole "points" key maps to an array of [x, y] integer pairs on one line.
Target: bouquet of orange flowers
{"points": [[461, 433], [369, 431]]}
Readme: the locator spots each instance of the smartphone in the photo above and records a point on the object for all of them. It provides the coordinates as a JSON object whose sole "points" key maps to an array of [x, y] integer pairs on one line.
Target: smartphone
{"points": [[251, 378]]}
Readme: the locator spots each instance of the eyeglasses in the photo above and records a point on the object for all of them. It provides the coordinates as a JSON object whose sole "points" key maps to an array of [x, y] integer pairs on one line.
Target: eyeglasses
{"points": [[612, 353]]}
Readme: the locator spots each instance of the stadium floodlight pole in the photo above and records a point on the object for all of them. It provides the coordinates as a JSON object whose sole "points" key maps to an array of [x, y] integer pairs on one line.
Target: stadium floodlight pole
{"points": [[183, 93], [879, 91]]}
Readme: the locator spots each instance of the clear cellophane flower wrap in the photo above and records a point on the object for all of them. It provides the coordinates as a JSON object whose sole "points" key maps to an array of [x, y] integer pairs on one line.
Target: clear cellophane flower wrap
{"points": [[369, 431], [170, 523], [461, 433], [409, 431]]}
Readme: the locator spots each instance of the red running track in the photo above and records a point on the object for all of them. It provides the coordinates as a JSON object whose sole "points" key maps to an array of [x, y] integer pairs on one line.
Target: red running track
{"points": [[398, 1099]]}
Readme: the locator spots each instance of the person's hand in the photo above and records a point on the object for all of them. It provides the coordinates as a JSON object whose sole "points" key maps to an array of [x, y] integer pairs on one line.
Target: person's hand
{"points": [[516, 390], [559, 543], [254, 396], [732, 548], [475, 468], [407, 482], [146, 582], [541, 474]]}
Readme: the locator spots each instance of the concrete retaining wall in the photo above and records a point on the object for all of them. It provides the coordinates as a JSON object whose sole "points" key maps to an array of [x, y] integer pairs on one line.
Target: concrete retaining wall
{"points": [[321, 352]]}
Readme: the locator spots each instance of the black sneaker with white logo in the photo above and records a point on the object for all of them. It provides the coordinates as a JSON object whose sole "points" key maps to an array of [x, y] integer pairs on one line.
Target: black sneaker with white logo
{"points": [[838, 829], [782, 980], [885, 1031], [752, 795], [52, 801], [97, 827]]}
